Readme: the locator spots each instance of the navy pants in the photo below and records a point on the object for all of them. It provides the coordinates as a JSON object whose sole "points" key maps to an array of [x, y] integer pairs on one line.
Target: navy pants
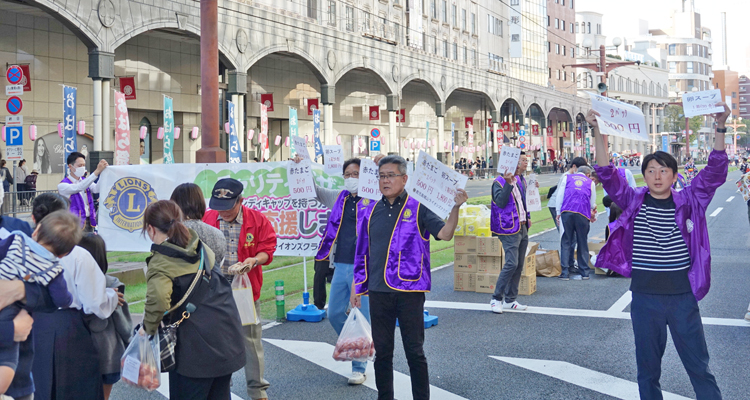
{"points": [[651, 314], [576, 230]]}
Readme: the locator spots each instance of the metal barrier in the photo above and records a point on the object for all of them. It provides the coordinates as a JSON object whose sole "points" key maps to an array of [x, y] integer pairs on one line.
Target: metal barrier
{"points": [[19, 202], [481, 173]]}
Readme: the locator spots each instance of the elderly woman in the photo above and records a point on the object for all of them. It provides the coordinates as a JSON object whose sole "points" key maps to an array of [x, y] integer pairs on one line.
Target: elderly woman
{"points": [[189, 197], [209, 343]]}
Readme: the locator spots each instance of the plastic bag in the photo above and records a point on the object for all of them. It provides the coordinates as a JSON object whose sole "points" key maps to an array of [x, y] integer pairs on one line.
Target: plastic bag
{"points": [[355, 341], [242, 291], [139, 363]]}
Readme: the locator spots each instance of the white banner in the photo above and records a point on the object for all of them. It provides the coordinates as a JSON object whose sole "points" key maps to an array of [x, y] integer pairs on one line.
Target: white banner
{"points": [[333, 158], [415, 24], [533, 200], [369, 185], [619, 119], [435, 185], [508, 160], [126, 191], [702, 103], [515, 28]]}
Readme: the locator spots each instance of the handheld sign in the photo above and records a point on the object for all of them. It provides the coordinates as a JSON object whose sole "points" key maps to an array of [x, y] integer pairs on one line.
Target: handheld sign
{"points": [[300, 180], [369, 186], [300, 147], [619, 119], [701, 103], [508, 160], [333, 157], [533, 200], [435, 185]]}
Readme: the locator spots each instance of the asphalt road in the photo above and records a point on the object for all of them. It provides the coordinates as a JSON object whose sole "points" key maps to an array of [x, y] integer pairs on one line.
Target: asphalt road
{"points": [[583, 324]]}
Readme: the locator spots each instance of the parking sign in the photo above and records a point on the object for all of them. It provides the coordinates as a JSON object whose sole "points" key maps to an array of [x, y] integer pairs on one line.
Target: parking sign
{"points": [[14, 135]]}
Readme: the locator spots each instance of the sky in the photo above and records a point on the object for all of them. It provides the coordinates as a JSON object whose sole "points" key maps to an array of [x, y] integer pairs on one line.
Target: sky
{"points": [[621, 17]]}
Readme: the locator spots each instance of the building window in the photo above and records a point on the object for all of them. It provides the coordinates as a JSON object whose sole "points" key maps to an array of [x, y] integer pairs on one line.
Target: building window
{"points": [[562, 25], [672, 67], [598, 29], [434, 45], [689, 50], [445, 48], [466, 55], [557, 48], [474, 57], [549, 47], [564, 53], [445, 11], [494, 25], [734, 95], [455, 51], [565, 76], [571, 27], [455, 15], [350, 18], [473, 24], [463, 19], [571, 4], [557, 23], [672, 49], [589, 27], [366, 15], [331, 12], [548, 20], [558, 74], [689, 67], [576, 27], [572, 52]]}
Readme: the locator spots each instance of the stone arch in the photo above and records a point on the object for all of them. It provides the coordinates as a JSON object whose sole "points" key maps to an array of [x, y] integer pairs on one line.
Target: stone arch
{"points": [[415, 77], [490, 102], [71, 21], [381, 77], [313, 64]]}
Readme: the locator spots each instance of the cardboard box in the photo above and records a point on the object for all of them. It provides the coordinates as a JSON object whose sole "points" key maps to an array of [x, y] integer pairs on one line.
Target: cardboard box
{"points": [[465, 244], [464, 281], [527, 285], [595, 248], [532, 248], [486, 283], [529, 265], [490, 264], [465, 263], [489, 246], [548, 263]]}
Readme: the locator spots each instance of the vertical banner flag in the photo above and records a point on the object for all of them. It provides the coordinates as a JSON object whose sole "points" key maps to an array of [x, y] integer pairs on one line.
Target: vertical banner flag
{"points": [[468, 121], [70, 95], [267, 100], [122, 130], [312, 105], [374, 113], [453, 142], [471, 138], [263, 139], [401, 115], [26, 80], [665, 143], [316, 134], [127, 87], [293, 130], [235, 153], [168, 131]]}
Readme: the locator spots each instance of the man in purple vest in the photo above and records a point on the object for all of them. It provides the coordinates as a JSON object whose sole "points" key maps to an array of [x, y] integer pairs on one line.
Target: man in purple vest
{"points": [[576, 202], [661, 242], [392, 266], [79, 190], [510, 222]]}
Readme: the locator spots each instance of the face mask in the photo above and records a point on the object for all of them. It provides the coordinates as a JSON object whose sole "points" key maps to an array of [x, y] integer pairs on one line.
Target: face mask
{"points": [[351, 184], [80, 171]]}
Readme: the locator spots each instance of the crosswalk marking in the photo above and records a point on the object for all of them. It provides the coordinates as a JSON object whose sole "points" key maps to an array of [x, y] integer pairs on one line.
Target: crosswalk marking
{"points": [[715, 213], [730, 199]]}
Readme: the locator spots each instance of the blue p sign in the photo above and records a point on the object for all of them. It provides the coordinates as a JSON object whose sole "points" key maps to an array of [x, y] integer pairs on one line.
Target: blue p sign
{"points": [[374, 145], [15, 135]]}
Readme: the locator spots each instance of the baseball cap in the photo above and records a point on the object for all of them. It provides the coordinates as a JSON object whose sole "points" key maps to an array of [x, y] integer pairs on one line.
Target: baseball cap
{"points": [[225, 193]]}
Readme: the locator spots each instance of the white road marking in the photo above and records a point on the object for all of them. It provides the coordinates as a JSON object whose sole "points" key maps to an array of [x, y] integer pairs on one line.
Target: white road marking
{"points": [[320, 353], [715, 213], [622, 303], [270, 325], [571, 312], [164, 388], [730, 199], [584, 377]]}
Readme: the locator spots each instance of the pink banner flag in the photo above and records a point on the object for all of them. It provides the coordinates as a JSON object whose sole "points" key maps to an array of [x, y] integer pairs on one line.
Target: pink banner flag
{"points": [[122, 130]]}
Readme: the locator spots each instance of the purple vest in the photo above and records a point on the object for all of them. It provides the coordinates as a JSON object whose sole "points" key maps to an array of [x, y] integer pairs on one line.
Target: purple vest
{"points": [[577, 195], [407, 266], [78, 208], [334, 223], [506, 221]]}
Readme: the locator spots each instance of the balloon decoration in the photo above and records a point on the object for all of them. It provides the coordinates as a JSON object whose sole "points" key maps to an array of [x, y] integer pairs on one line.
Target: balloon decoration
{"points": [[455, 149], [3, 133], [144, 131], [250, 134], [194, 133], [277, 141], [176, 132], [32, 132], [307, 139], [361, 142], [59, 130], [434, 142], [338, 139], [81, 127], [160, 133]]}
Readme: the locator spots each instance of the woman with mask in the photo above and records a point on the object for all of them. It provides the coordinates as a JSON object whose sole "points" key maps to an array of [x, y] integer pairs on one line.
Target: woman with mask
{"points": [[209, 343], [337, 247]]}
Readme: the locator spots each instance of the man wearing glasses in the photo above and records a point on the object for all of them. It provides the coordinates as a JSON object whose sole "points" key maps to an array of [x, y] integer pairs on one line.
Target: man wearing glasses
{"points": [[392, 266]]}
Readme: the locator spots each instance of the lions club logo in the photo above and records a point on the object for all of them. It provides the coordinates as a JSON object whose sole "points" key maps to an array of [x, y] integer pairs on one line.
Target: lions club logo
{"points": [[579, 183], [407, 214], [365, 202], [127, 202], [249, 238]]}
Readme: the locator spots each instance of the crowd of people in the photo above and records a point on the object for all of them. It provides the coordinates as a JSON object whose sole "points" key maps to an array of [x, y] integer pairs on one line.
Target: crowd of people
{"points": [[474, 169], [52, 273]]}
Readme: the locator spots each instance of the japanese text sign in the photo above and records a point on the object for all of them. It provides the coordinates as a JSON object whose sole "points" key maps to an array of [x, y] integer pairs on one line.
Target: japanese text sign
{"points": [[619, 119], [333, 157], [316, 134], [168, 131], [300, 147], [122, 130], [533, 200], [70, 94], [235, 152], [508, 160], [435, 185], [701, 103], [369, 186], [300, 179]]}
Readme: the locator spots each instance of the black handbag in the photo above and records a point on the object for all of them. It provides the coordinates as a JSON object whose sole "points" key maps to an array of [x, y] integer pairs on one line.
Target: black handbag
{"points": [[168, 333]]}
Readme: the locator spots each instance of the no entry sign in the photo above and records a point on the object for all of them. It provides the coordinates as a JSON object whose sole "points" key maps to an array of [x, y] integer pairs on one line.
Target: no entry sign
{"points": [[14, 74], [14, 105]]}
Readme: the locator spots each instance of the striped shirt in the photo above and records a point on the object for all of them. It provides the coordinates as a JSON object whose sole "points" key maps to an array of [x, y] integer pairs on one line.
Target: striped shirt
{"points": [[660, 256], [22, 262]]}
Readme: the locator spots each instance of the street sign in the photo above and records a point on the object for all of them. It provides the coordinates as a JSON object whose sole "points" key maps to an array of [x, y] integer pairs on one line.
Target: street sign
{"points": [[375, 133], [522, 145], [13, 90], [14, 153], [14, 120], [374, 145], [14, 105], [14, 74], [522, 133], [522, 139], [14, 135]]}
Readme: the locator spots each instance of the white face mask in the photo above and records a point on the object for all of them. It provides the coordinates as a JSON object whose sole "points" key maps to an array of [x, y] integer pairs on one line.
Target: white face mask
{"points": [[351, 184], [80, 171]]}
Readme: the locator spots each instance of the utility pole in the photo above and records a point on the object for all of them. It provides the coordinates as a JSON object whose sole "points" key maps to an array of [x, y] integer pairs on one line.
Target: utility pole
{"points": [[653, 126], [210, 151]]}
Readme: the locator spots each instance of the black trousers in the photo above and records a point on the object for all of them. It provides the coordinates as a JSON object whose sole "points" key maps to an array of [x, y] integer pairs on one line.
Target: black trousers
{"points": [[184, 388], [323, 273], [385, 308]]}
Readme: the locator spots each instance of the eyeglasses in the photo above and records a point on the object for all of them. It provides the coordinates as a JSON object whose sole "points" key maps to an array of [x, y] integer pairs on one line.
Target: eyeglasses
{"points": [[388, 177], [352, 175]]}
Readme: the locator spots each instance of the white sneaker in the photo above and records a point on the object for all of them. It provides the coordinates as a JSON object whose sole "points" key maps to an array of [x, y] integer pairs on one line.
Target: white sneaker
{"points": [[496, 306], [514, 306], [357, 378]]}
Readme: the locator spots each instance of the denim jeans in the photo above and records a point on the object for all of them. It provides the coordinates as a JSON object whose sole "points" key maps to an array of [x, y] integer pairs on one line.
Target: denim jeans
{"points": [[341, 289], [514, 247], [575, 229]]}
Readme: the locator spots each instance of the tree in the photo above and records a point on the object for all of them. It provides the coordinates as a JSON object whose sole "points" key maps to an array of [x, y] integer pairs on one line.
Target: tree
{"points": [[674, 120]]}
